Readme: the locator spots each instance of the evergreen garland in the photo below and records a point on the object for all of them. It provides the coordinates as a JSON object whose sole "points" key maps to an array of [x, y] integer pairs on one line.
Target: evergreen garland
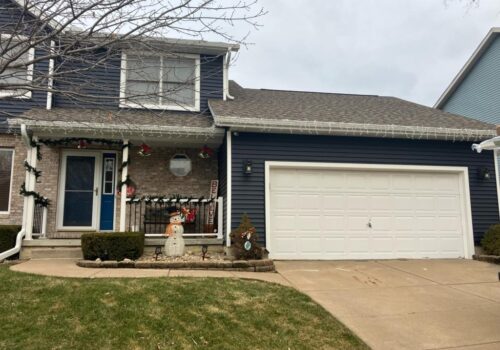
{"points": [[169, 199], [31, 169], [39, 199], [71, 140]]}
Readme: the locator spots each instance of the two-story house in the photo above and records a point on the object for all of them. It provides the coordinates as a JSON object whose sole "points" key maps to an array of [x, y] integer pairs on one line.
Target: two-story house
{"points": [[321, 175]]}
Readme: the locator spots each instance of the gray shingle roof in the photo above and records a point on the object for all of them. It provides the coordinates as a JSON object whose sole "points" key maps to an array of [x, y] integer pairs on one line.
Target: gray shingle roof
{"points": [[119, 123], [289, 109], [119, 117]]}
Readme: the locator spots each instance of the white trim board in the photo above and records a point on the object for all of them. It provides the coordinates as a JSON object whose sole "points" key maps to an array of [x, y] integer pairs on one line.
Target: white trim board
{"points": [[496, 154], [7, 212], [229, 185], [464, 179]]}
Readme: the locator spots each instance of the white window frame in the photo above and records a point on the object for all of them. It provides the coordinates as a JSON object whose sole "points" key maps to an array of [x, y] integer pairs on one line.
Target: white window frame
{"points": [[29, 70], [104, 159], [11, 179], [174, 107], [96, 209]]}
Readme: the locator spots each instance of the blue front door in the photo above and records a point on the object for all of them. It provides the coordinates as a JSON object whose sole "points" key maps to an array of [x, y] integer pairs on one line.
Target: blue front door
{"points": [[108, 192]]}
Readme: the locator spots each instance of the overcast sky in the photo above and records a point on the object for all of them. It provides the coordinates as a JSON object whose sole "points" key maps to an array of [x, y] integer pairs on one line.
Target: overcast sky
{"points": [[411, 49]]}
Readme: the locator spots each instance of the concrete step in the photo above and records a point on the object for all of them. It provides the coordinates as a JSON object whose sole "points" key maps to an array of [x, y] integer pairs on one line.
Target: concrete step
{"points": [[51, 253]]}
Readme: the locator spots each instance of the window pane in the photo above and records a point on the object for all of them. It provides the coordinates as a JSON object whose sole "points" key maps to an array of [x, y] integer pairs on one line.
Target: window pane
{"points": [[11, 52], [14, 76], [142, 92], [5, 178], [183, 94], [143, 68], [80, 173], [179, 70], [78, 208]]}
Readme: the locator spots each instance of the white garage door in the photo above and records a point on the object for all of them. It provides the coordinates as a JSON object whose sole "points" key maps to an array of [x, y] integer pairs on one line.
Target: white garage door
{"points": [[366, 213]]}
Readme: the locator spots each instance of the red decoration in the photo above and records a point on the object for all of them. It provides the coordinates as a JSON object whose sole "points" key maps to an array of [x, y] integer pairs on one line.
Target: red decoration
{"points": [[130, 191], [206, 152], [189, 214], [82, 144], [145, 150]]}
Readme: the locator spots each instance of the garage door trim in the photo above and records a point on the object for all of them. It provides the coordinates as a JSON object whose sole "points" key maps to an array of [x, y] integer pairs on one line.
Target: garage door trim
{"points": [[462, 171]]}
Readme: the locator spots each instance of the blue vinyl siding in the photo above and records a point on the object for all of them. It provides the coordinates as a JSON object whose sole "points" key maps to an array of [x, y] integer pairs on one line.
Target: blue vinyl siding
{"points": [[248, 194], [10, 14], [478, 96], [211, 84], [89, 83]]}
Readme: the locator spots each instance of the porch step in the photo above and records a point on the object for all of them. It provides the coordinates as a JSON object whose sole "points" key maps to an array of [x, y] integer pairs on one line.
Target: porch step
{"points": [[51, 253]]}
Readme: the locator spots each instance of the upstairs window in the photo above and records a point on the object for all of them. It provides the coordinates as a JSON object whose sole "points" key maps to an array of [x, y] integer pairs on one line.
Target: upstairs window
{"points": [[161, 82], [15, 56], [6, 163]]}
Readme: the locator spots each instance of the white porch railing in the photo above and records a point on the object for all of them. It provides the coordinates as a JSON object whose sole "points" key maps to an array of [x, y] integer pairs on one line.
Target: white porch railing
{"points": [[151, 216]]}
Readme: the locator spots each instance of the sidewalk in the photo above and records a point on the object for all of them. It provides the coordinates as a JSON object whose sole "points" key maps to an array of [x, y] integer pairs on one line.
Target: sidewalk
{"points": [[68, 268]]}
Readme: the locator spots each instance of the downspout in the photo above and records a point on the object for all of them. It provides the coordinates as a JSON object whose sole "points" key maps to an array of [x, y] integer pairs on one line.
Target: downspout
{"points": [[227, 59], [50, 80], [22, 233]]}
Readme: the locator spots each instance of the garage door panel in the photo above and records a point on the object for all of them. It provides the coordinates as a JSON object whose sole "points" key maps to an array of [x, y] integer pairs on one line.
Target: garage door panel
{"points": [[306, 223], [356, 222], [356, 180], [309, 202], [284, 223], [332, 223], [325, 214], [333, 202], [284, 201], [448, 203]]}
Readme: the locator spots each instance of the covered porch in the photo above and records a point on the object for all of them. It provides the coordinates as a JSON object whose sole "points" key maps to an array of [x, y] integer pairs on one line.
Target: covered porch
{"points": [[92, 170]]}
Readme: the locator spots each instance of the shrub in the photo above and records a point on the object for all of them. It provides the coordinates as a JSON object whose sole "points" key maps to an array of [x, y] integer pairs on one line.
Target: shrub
{"points": [[239, 237], [491, 240], [8, 234], [112, 245]]}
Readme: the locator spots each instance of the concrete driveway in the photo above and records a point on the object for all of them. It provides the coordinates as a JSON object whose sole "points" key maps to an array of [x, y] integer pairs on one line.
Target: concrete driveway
{"points": [[407, 304]]}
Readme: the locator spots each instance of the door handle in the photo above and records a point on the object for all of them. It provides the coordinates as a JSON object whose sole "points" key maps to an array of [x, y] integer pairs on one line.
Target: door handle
{"points": [[96, 191]]}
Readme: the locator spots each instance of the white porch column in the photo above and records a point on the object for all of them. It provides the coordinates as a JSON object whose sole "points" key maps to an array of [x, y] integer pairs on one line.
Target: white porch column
{"points": [[123, 197], [30, 187], [220, 218], [26, 181]]}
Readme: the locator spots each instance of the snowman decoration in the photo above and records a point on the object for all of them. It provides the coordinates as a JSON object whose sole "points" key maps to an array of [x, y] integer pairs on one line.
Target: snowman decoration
{"points": [[174, 246]]}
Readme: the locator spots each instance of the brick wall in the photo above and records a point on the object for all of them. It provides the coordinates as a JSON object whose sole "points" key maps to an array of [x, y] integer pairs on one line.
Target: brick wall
{"points": [[152, 176]]}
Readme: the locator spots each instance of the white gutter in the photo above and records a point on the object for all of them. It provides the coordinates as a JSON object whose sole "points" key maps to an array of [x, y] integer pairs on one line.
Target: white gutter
{"points": [[488, 145], [351, 129], [227, 60], [17, 247], [120, 129], [50, 81], [22, 233]]}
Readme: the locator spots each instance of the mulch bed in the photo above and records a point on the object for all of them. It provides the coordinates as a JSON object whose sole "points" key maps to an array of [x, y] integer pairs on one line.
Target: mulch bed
{"points": [[494, 259], [264, 265]]}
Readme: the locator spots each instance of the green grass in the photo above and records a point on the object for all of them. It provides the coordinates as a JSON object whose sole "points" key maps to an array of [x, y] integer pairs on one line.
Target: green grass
{"points": [[162, 313]]}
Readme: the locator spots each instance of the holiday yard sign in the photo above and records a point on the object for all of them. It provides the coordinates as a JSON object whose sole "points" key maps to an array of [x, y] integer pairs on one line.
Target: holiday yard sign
{"points": [[214, 190]]}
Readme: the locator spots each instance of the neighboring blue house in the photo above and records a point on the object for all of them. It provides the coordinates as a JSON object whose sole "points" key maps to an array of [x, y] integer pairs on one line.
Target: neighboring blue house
{"points": [[321, 175], [475, 91]]}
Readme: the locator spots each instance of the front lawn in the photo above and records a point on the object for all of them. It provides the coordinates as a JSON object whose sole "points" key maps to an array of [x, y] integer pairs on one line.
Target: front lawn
{"points": [[162, 313]]}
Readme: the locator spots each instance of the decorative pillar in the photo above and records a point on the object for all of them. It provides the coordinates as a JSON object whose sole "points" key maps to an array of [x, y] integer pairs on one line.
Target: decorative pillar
{"points": [[123, 196], [30, 187]]}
